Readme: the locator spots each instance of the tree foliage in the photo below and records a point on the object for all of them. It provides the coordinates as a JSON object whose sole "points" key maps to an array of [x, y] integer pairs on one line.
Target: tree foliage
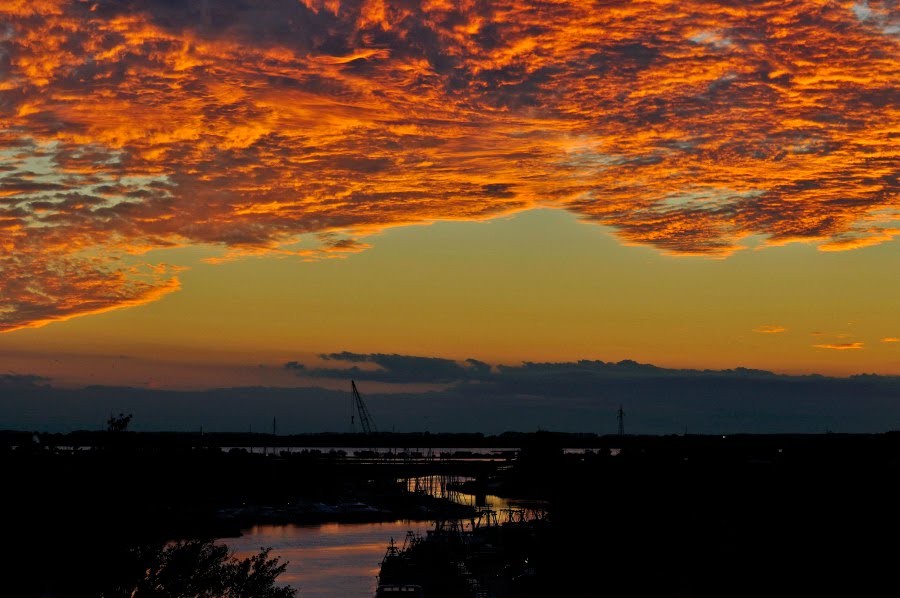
{"points": [[203, 569], [118, 424]]}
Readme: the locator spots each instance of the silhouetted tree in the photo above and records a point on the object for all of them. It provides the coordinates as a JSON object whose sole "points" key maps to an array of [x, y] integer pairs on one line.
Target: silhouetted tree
{"points": [[118, 424], [203, 569]]}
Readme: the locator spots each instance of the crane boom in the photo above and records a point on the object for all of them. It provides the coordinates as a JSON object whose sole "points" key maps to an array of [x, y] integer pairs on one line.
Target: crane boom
{"points": [[365, 418]]}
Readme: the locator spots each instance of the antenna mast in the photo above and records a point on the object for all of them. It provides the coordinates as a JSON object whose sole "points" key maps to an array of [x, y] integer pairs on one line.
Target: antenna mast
{"points": [[365, 418], [621, 417]]}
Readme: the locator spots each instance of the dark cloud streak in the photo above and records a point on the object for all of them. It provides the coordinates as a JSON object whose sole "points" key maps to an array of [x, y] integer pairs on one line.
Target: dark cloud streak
{"points": [[398, 368]]}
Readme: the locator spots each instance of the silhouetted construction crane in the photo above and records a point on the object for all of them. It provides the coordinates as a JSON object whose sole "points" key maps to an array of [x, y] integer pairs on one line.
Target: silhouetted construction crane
{"points": [[365, 418]]}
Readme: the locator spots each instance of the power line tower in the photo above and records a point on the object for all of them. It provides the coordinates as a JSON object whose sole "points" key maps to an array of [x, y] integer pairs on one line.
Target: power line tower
{"points": [[621, 417], [365, 418]]}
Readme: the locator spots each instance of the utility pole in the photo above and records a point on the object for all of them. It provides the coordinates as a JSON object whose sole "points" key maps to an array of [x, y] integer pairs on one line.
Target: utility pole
{"points": [[274, 434]]}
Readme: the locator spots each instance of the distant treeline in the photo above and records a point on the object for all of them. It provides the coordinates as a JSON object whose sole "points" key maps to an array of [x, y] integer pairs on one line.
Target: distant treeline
{"points": [[415, 440], [405, 440]]}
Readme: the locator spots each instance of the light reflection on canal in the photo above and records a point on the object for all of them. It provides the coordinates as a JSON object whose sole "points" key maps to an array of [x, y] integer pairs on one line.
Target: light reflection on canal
{"points": [[331, 560], [339, 560]]}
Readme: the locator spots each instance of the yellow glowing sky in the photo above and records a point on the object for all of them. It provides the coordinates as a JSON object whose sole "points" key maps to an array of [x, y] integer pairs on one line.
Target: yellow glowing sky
{"points": [[211, 187], [536, 286]]}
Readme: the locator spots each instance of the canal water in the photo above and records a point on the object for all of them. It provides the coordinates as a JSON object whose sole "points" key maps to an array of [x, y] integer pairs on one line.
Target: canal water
{"points": [[337, 560], [327, 561]]}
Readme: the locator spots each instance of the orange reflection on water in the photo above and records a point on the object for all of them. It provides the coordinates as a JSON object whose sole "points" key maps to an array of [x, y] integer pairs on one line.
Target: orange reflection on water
{"points": [[327, 561]]}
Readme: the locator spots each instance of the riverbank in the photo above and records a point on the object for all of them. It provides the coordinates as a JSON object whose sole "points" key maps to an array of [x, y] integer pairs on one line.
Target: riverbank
{"points": [[692, 516], [366, 508], [97, 506], [658, 504]]}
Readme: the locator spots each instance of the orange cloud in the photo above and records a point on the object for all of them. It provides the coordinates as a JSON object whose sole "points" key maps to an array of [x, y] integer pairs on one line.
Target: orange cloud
{"points": [[688, 126], [890, 339], [770, 329], [38, 290], [841, 346]]}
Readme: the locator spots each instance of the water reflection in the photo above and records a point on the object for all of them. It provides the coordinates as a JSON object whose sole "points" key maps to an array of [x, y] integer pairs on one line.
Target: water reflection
{"points": [[327, 561], [337, 560], [448, 487]]}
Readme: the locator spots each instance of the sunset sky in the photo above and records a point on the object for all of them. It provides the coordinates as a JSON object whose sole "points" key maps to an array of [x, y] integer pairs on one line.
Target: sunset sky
{"points": [[195, 193]]}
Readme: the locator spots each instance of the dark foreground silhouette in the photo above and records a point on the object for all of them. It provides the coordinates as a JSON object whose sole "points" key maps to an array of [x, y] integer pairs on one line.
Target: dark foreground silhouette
{"points": [[199, 569], [636, 516], [716, 516]]}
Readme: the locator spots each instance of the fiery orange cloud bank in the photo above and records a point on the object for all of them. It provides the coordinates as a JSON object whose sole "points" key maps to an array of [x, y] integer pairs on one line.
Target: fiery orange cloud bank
{"points": [[130, 125]]}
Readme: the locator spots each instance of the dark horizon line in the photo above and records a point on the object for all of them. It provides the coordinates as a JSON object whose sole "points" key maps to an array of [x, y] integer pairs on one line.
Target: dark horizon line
{"points": [[547, 434]]}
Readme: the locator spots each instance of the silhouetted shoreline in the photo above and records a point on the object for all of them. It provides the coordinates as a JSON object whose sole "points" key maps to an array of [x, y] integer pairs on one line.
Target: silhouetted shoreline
{"points": [[403, 440], [697, 511]]}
